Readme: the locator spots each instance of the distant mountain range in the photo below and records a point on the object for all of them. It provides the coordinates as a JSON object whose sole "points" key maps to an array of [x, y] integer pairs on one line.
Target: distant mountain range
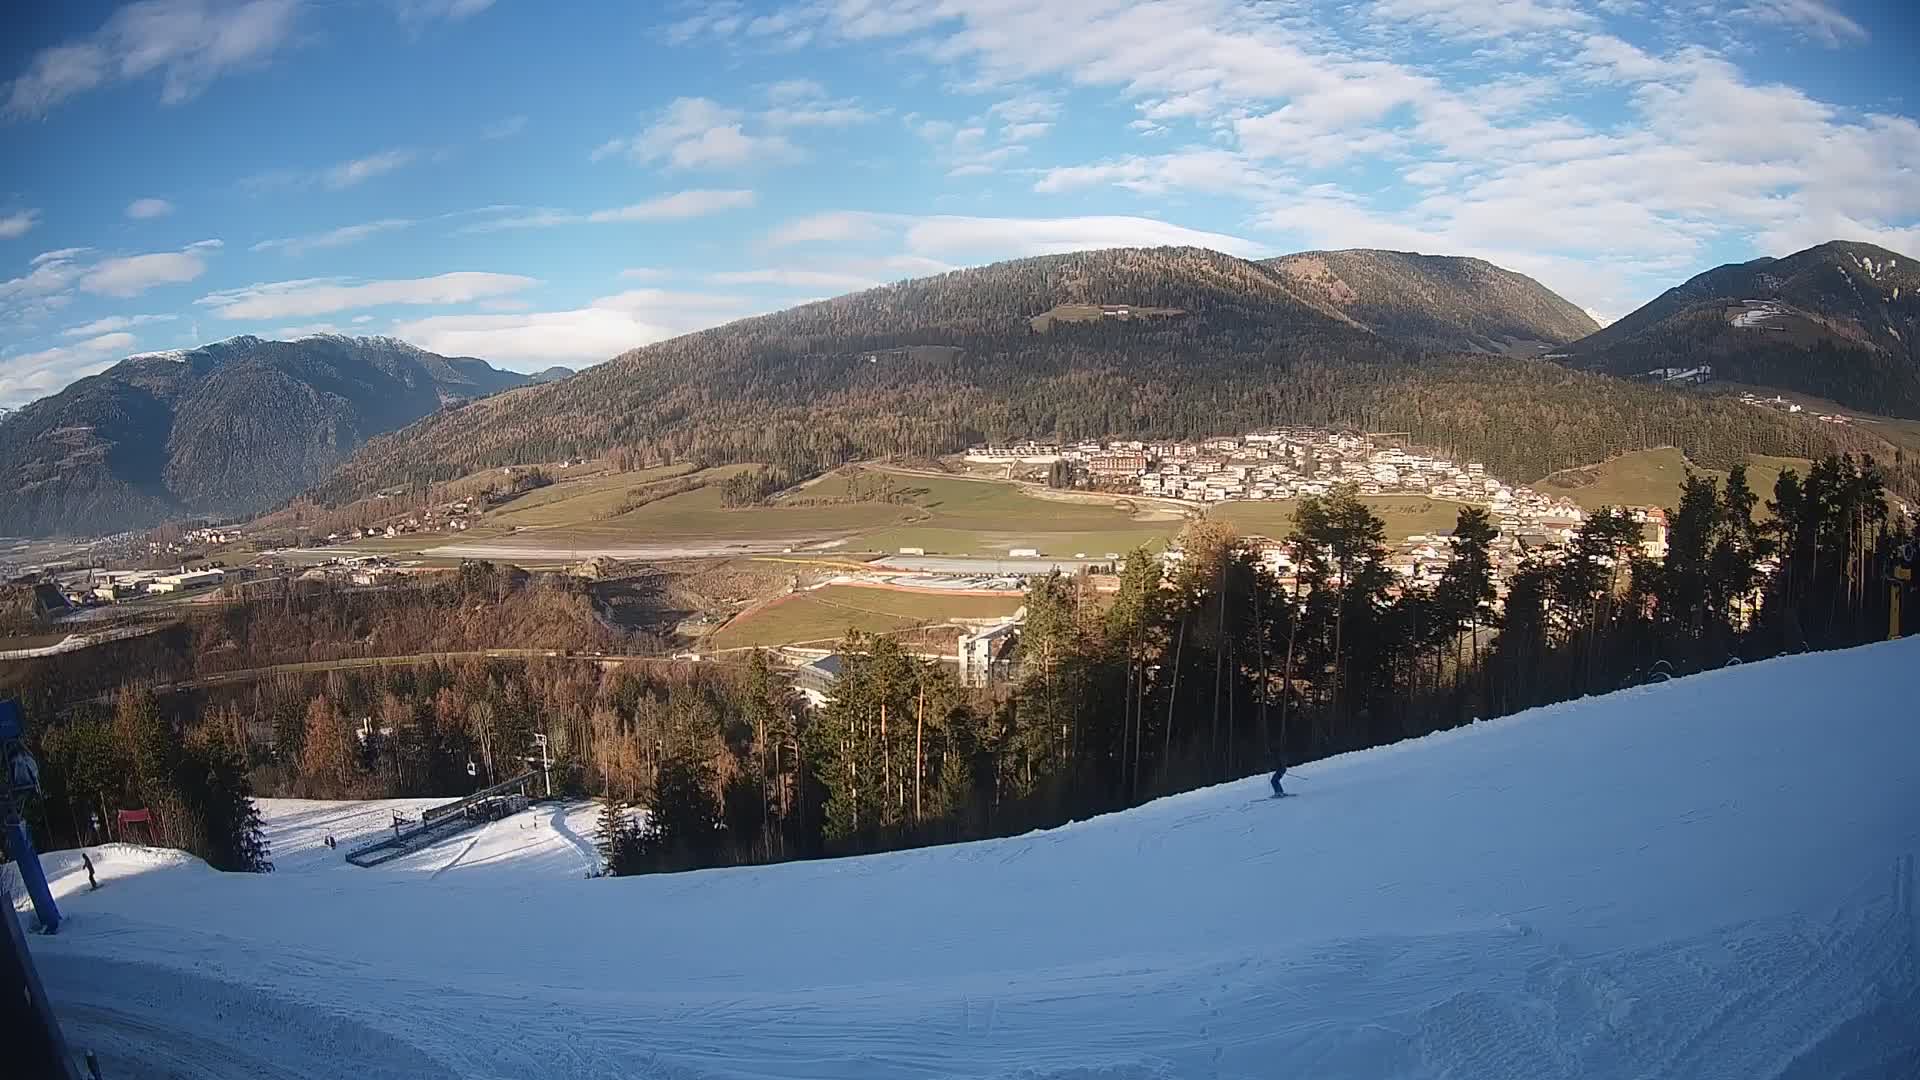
{"points": [[228, 428], [1161, 341], [1087, 343], [1841, 321]]}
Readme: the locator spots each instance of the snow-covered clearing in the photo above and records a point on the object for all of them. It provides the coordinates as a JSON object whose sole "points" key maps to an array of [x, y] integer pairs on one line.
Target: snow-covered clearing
{"points": [[1758, 314], [1713, 877]]}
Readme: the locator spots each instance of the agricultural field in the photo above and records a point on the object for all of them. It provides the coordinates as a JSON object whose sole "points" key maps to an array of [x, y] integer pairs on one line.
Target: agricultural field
{"points": [[1404, 515], [941, 514], [1653, 478], [956, 516], [824, 615], [579, 501]]}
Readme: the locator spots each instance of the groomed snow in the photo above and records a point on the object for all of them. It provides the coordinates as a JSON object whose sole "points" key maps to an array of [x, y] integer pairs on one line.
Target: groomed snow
{"points": [[1713, 877]]}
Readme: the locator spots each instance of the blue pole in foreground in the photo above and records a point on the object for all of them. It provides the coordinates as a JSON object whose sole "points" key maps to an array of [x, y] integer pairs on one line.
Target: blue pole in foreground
{"points": [[20, 846], [22, 775]]}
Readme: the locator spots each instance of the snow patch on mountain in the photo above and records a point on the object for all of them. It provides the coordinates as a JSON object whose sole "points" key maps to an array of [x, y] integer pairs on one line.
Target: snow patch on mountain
{"points": [[1757, 314]]}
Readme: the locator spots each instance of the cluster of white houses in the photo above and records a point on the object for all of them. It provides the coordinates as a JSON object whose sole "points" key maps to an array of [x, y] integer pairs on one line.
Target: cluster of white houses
{"points": [[1289, 463]]}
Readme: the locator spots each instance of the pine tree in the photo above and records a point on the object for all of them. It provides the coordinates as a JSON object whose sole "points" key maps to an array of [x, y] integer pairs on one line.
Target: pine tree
{"points": [[614, 837]]}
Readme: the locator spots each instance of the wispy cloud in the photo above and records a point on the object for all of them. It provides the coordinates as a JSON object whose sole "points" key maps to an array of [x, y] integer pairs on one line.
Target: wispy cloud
{"points": [[17, 223], [294, 333], [332, 238], [676, 207], [962, 239], [577, 336], [143, 209], [698, 133], [112, 323], [31, 375], [421, 11], [323, 296], [1815, 18], [188, 43], [348, 173], [795, 278], [131, 275]]}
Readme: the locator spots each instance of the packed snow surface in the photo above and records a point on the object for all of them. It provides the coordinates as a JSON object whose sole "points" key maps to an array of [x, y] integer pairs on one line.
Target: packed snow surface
{"points": [[1713, 877]]}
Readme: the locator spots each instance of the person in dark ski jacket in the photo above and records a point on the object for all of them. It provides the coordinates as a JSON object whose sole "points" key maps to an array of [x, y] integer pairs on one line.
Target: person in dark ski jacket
{"points": [[1279, 770]]}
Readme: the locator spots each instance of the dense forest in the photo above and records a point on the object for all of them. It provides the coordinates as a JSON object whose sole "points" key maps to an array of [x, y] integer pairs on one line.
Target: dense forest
{"points": [[1194, 671], [928, 367]]}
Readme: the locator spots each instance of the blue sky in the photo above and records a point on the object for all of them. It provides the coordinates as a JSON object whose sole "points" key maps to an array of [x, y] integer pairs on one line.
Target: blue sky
{"points": [[539, 183]]}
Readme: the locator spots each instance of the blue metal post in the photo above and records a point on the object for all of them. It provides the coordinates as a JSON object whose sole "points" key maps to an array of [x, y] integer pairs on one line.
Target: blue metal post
{"points": [[21, 775], [20, 846]]}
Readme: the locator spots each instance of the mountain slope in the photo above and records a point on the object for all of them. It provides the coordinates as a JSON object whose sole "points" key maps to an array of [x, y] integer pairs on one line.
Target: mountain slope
{"points": [[226, 428], [1209, 344], [1682, 880], [1841, 320], [1442, 301], [917, 367]]}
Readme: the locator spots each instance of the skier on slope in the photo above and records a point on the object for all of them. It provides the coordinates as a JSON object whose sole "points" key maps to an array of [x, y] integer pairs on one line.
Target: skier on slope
{"points": [[1279, 770]]}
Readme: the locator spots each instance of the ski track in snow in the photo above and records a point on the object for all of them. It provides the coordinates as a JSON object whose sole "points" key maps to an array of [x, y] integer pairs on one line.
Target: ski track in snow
{"points": [[1714, 877]]}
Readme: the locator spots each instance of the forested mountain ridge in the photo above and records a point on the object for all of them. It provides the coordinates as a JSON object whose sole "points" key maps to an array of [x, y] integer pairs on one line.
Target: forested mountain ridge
{"points": [[1442, 301], [1838, 320], [926, 367], [226, 428]]}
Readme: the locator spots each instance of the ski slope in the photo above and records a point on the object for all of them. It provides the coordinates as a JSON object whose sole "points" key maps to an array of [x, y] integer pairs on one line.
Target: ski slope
{"points": [[1712, 877], [545, 841]]}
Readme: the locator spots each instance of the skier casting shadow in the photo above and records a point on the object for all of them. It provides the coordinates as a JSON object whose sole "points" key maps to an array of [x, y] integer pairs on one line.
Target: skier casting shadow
{"points": [[1279, 770]]}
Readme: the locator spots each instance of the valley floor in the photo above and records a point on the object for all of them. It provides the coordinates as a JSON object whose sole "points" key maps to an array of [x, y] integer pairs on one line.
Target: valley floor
{"points": [[1714, 877]]}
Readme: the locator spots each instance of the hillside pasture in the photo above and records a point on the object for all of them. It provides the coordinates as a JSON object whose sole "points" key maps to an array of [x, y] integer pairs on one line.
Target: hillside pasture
{"points": [[1654, 478], [822, 616], [1404, 515]]}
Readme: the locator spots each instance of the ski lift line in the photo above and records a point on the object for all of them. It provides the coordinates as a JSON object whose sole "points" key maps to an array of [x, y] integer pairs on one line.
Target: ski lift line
{"points": [[435, 820]]}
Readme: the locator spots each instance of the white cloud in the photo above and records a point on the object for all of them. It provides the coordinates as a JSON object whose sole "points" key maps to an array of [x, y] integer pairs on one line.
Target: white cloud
{"points": [[142, 209], [974, 238], [940, 239], [831, 226], [818, 114], [796, 278], [323, 296], [676, 207], [293, 333], [17, 223], [1480, 18], [359, 319], [348, 173], [1816, 18], [35, 374], [112, 323], [795, 90], [44, 284], [1198, 169], [698, 133], [607, 327], [188, 43], [332, 238], [131, 275]]}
